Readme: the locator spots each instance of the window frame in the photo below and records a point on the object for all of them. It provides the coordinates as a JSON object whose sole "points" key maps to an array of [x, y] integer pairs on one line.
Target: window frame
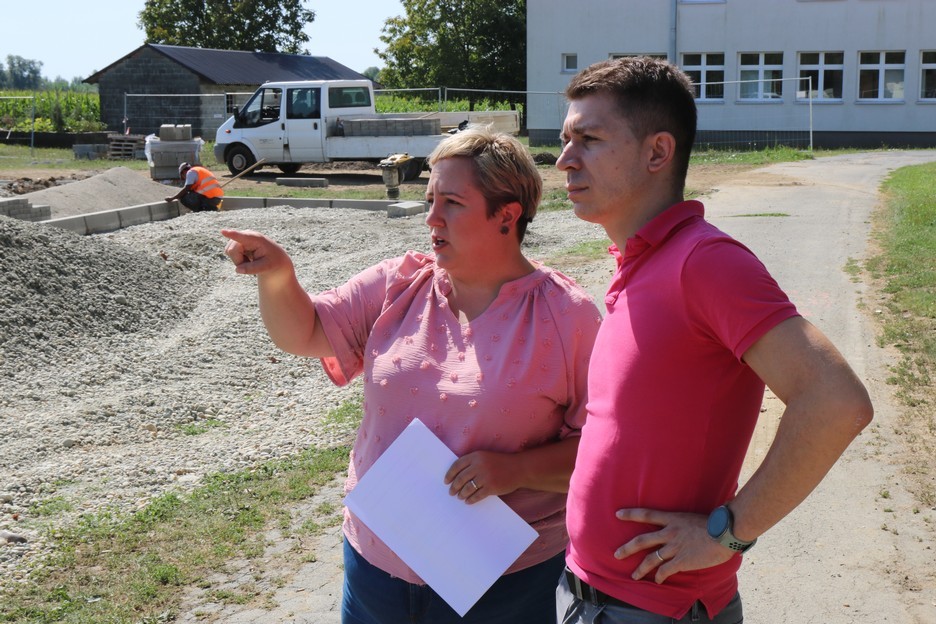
{"points": [[564, 67], [821, 68], [761, 67], [927, 66], [881, 68], [703, 70]]}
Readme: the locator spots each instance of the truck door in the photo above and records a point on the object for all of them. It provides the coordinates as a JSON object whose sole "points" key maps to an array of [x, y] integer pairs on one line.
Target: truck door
{"points": [[304, 128], [260, 121]]}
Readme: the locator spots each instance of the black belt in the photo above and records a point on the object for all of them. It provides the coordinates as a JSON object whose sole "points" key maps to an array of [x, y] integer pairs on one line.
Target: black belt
{"points": [[584, 591]]}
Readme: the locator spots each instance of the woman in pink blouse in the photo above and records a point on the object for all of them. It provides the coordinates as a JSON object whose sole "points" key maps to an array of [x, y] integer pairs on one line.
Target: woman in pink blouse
{"points": [[486, 347]]}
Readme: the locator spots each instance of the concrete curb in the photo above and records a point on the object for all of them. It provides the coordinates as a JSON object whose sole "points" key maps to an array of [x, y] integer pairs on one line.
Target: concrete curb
{"points": [[111, 220]]}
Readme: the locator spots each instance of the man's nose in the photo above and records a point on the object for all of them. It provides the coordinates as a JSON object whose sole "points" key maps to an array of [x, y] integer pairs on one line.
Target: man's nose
{"points": [[567, 158]]}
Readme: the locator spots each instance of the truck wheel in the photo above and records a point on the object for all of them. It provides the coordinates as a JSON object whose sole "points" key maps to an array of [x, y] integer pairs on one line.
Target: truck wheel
{"points": [[239, 158], [289, 168], [412, 168]]}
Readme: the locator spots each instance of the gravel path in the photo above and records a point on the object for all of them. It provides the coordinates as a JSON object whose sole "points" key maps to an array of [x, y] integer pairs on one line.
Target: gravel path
{"points": [[111, 345]]}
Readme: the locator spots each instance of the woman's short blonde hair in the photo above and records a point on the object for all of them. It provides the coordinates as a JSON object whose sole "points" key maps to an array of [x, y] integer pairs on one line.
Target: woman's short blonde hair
{"points": [[504, 168]]}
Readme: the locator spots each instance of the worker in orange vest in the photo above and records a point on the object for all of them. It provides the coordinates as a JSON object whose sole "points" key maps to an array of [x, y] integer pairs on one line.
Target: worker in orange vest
{"points": [[201, 190]]}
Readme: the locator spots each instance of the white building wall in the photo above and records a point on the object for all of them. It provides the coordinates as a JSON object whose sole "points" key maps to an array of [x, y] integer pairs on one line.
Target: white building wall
{"points": [[596, 29]]}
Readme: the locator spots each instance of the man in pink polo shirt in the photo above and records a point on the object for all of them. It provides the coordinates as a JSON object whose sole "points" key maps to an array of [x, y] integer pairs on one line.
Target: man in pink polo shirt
{"points": [[695, 328]]}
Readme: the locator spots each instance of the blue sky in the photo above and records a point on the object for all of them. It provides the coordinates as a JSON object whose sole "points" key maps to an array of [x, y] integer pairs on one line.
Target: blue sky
{"points": [[76, 39]]}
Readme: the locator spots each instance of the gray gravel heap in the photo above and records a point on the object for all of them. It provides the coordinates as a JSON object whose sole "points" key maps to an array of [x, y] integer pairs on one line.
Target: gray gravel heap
{"points": [[112, 346]]}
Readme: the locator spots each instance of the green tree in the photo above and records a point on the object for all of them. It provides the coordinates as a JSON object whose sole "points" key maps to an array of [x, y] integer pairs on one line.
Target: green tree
{"points": [[250, 25], [471, 44], [371, 72], [23, 73]]}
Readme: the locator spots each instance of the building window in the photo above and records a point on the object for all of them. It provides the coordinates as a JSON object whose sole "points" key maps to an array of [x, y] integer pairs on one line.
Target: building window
{"points": [[707, 73], [823, 71], [569, 63], [881, 75], [928, 77], [761, 75], [616, 55]]}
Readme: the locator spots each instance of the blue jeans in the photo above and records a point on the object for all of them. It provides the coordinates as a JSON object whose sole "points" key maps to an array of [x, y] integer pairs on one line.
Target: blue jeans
{"points": [[571, 610], [371, 596]]}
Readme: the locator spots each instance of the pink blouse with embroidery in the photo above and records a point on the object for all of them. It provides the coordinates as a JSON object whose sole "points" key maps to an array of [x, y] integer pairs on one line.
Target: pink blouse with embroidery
{"points": [[511, 379]]}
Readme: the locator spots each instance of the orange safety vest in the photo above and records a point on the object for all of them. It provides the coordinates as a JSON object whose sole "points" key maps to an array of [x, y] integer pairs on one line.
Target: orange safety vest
{"points": [[207, 184]]}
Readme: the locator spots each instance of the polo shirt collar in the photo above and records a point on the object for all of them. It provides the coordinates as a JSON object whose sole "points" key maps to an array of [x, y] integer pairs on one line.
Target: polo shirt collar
{"points": [[661, 227]]}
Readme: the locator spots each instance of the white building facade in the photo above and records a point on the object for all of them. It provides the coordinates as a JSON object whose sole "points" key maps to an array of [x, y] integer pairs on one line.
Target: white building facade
{"points": [[858, 73]]}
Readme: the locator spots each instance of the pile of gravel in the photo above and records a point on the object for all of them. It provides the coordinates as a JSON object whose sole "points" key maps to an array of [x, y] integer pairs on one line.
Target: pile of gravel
{"points": [[114, 346], [117, 187]]}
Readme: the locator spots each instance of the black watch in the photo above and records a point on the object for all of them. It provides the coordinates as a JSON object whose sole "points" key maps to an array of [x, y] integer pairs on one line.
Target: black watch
{"points": [[720, 525]]}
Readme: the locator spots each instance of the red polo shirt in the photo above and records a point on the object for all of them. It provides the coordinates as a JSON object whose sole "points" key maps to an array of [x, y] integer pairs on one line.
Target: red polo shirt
{"points": [[671, 406]]}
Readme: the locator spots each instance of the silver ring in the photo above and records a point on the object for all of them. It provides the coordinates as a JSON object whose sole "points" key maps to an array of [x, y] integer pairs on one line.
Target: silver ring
{"points": [[659, 556], [473, 484]]}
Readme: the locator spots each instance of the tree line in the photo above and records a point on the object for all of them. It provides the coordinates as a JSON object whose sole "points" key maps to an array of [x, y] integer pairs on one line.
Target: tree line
{"points": [[22, 74]]}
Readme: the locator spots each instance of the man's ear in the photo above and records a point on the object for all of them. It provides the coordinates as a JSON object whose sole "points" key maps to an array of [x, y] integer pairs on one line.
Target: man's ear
{"points": [[662, 149]]}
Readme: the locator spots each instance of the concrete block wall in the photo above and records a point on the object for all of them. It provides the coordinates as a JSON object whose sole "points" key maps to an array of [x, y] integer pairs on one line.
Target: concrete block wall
{"points": [[20, 208], [146, 71]]}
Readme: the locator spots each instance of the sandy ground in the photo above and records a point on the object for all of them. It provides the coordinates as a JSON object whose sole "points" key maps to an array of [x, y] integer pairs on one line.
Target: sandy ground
{"points": [[861, 549]]}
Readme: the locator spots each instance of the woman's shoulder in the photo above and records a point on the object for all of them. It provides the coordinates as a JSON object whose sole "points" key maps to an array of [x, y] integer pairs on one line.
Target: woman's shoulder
{"points": [[556, 289], [412, 268]]}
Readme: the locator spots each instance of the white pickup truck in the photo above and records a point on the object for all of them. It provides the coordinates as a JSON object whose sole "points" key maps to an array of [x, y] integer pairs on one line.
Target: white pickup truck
{"points": [[288, 124]]}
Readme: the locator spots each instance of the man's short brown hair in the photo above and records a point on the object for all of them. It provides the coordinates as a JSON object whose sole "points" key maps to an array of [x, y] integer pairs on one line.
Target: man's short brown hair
{"points": [[652, 95]]}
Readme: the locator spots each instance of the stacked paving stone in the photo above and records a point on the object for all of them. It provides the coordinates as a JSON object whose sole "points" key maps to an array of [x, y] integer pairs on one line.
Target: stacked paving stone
{"points": [[392, 127], [19, 208]]}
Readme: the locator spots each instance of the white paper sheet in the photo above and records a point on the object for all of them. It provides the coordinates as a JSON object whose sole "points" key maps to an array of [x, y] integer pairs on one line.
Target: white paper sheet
{"points": [[458, 549]]}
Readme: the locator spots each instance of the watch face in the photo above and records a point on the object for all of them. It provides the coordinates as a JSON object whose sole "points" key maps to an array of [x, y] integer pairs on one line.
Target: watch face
{"points": [[719, 521]]}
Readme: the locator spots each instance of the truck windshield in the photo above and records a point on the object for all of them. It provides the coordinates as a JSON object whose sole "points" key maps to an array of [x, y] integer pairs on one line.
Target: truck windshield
{"points": [[262, 108], [348, 97]]}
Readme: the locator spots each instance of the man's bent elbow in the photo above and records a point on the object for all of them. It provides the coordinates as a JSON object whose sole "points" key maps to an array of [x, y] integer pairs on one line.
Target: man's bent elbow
{"points": [[859, 408]]}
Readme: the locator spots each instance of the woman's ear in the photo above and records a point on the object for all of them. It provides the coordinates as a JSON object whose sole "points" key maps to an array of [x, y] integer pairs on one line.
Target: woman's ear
{"points": [[509, 214], [662, 149]]}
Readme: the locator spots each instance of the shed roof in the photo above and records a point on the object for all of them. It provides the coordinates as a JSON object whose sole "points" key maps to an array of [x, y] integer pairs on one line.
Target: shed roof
{"points": [[235, 67]]}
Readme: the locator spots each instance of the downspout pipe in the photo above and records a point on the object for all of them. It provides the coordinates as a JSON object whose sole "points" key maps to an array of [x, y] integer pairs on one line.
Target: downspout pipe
{"points": [[673, 53]]}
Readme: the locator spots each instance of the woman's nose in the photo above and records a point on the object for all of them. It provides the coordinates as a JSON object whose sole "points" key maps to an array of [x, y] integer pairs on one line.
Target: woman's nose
{"points": [[432, 215]]}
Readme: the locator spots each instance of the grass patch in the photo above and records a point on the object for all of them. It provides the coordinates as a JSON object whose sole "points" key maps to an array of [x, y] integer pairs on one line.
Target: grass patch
{"points": [[201, 426], [348, 413], [553, 200], [22, 157], [582, 253], [51, 507], [905, 230], [112, 567], [765, 156], [906, 234]]}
